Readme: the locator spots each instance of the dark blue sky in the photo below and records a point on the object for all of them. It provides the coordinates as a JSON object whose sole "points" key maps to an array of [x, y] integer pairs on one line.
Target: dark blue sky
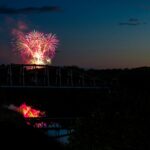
{"points": [[92, 33]]}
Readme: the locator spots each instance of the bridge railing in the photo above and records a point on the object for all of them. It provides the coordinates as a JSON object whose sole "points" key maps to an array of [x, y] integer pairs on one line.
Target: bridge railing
{"points": [[44, 75]]}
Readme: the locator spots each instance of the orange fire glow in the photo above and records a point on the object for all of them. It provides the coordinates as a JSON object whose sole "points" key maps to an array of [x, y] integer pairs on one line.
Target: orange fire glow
{"points": [[29, 112]]}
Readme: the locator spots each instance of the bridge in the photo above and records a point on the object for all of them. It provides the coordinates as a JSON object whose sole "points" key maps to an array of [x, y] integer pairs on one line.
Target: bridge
{"points": [[65, 83], [29, 75]]}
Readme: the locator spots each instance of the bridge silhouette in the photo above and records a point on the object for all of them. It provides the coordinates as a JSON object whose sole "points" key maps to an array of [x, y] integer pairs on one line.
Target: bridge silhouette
{"points": [[20, 76], [29, 75]]}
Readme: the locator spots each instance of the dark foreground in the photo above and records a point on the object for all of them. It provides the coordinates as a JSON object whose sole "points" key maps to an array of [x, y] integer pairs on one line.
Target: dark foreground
{"points": [[116, 118], [15, 134]]}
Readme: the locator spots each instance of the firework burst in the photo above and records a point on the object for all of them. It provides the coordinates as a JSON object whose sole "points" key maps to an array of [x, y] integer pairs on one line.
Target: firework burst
{"points": [[36, 47]]}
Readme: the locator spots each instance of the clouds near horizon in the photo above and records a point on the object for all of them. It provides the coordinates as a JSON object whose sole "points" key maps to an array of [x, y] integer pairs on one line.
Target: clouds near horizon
{"points": [[25, 10]]}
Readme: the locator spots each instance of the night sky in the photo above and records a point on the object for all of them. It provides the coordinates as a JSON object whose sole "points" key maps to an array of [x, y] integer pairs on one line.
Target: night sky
{"points": [[92, 33]]}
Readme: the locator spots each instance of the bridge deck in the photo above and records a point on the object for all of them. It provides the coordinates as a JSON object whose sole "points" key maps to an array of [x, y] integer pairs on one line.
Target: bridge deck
{"points": [[29, 75]]}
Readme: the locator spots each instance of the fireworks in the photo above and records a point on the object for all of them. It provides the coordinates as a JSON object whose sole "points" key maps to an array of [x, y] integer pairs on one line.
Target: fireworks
{"points": [[36, 47], [29, 112]]}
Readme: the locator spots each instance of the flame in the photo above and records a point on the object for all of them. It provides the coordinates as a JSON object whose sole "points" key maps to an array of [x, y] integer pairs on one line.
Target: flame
{"points": [[29, 112]]}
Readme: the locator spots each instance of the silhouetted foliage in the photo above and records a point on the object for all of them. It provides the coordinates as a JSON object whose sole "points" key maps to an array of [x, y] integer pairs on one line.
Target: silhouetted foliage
{"points": [[112, 118], [120, 123]]}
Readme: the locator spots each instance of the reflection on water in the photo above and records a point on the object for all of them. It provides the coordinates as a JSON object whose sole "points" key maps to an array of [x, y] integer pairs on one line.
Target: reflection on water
{"points": [[63, 137]]}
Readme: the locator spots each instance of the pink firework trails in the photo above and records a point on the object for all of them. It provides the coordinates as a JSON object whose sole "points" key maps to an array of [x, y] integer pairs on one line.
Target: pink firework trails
{"points": [[36, 47]]}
